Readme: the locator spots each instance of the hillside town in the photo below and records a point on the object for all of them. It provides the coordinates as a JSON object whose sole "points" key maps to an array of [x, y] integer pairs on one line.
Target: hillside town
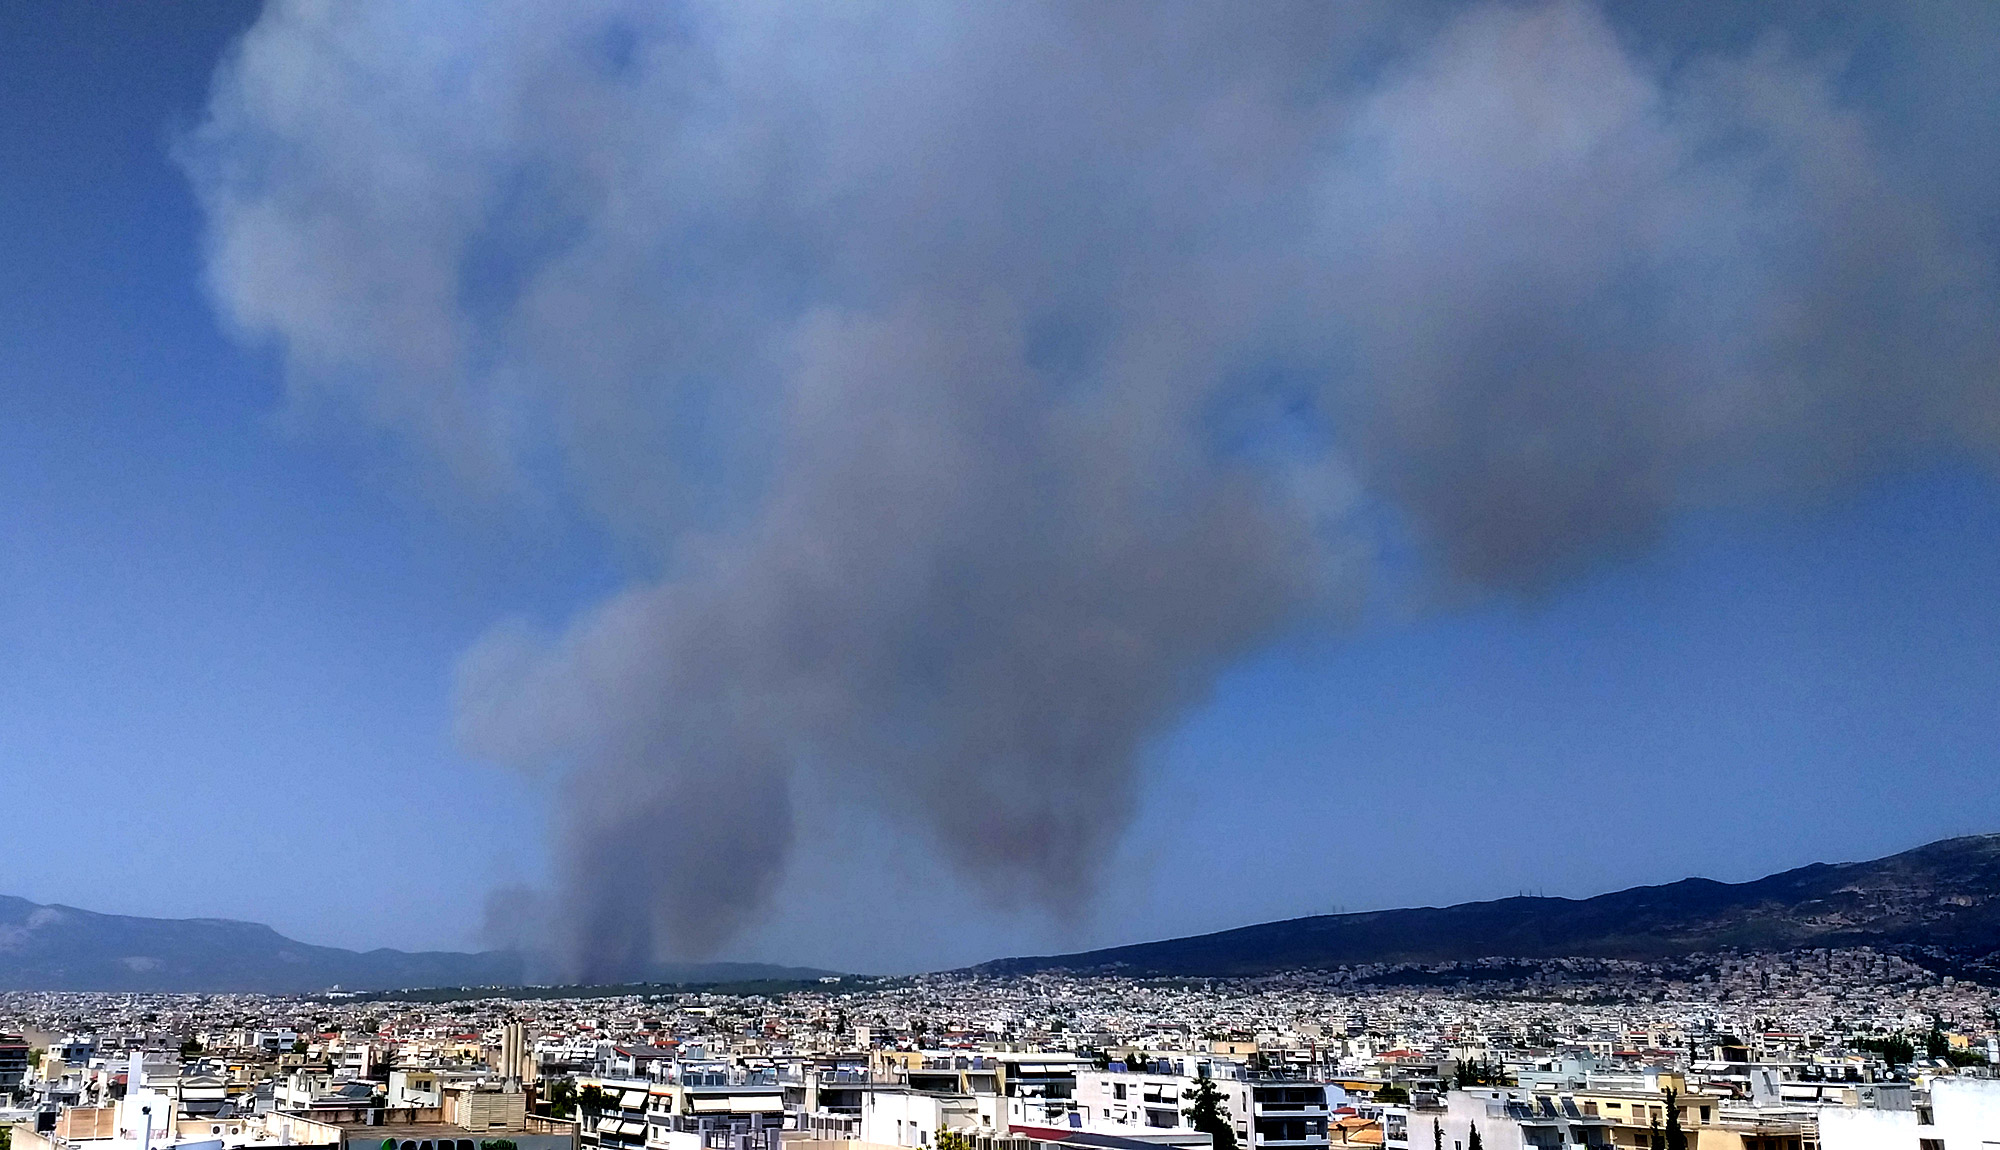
{"points": [[1811, 1050]]}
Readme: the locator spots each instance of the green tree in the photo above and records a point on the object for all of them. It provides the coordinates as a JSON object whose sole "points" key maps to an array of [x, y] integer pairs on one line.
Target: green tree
{"points": [[1894, 1049], [1676, 1140], [1209, 1114], [951, 1140], [562, 1098], [190, 1048], [1480, 1073], [1473, 1141], [1393, 1095], [300, 1047], [1936, 1045], [1437, 1135]]}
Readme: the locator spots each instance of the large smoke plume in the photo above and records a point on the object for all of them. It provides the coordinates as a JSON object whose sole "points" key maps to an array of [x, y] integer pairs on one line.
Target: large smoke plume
{"points": [[975, 382]]}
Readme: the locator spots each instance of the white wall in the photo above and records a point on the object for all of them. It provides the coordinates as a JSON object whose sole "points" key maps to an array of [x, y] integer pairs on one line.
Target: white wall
{"points": [[1467, 1108], [132, 1119], [895, 1118], [1967, 1112], [1852, 1128]]}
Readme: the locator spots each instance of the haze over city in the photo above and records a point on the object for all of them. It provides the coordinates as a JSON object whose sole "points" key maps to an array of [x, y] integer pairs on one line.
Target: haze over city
{"points": [[883, 488]]}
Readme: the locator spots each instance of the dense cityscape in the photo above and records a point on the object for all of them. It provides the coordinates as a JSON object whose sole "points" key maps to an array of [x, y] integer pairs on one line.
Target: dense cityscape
{"points": [[1051, 575], [1811, 1050]]}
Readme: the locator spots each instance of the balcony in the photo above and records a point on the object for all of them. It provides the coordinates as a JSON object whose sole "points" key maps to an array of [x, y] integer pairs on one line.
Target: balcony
{"points": [[1289, 1109]]}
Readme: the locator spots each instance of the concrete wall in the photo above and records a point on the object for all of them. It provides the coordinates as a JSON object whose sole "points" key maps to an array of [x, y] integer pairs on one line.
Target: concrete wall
{"points": [[1842, 1128], [1967, 1112]]}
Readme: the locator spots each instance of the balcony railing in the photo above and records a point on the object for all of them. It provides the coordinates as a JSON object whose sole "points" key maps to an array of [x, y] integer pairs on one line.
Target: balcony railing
{"points": [[1287, 1109]]}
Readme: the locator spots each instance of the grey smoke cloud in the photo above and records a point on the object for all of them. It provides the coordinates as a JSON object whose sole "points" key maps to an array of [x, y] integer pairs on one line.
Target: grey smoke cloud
{"points": [[976, 383]]}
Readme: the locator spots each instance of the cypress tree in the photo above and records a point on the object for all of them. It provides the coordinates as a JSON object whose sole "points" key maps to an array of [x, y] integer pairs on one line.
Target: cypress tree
{"points": [[1210, 1115]]}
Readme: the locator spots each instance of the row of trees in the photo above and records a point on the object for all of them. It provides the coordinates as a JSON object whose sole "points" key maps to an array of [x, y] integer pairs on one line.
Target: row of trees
{"points": [[1480, 1073], [1901, 1049]]}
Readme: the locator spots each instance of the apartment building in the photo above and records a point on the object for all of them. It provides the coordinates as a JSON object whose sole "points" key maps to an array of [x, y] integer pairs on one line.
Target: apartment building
{"points": [[1511, 1118], [684, 1106], [1958, 1114], [892, 1116], [1151, 1101], [13, 1063]]}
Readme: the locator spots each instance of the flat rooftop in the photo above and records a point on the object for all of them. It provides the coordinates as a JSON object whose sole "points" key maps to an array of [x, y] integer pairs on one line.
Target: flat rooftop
{"points": [[419, 1131]]}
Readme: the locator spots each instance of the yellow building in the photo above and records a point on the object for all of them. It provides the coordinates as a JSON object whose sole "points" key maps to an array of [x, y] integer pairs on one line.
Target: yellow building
{"points": [[1639, 1120]]}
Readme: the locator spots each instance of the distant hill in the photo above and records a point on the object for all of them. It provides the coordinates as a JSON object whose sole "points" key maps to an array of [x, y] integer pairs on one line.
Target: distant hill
{"points": [[64, 948], [1944, 897]]}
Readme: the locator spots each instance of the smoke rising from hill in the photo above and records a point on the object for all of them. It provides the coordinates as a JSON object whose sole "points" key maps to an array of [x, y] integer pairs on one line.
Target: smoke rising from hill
{"points": [[977, 382]]}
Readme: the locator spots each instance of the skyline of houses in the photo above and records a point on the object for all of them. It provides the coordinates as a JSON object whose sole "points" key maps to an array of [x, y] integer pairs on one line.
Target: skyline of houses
{"points": [[1813, 1050]]}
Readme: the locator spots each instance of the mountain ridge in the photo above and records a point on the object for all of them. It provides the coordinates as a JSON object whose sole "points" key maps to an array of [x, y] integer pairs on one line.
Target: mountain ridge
{"points": [[1943, 896], [53, 946]]}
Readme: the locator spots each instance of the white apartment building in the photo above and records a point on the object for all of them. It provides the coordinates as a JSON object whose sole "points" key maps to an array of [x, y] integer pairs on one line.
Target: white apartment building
{"points": [[1964, 1114], [1151, 1103], [1510, 1118], [913, 1118]]}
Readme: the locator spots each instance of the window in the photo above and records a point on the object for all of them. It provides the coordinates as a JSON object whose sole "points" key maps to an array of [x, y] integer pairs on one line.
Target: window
{"points": [[1930, 1144], [1118, 1091], [1704, 1114]]}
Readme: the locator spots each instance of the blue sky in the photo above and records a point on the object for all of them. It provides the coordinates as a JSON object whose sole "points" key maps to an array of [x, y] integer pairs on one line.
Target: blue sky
{"points": [[229, 641], [232, 623]]}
